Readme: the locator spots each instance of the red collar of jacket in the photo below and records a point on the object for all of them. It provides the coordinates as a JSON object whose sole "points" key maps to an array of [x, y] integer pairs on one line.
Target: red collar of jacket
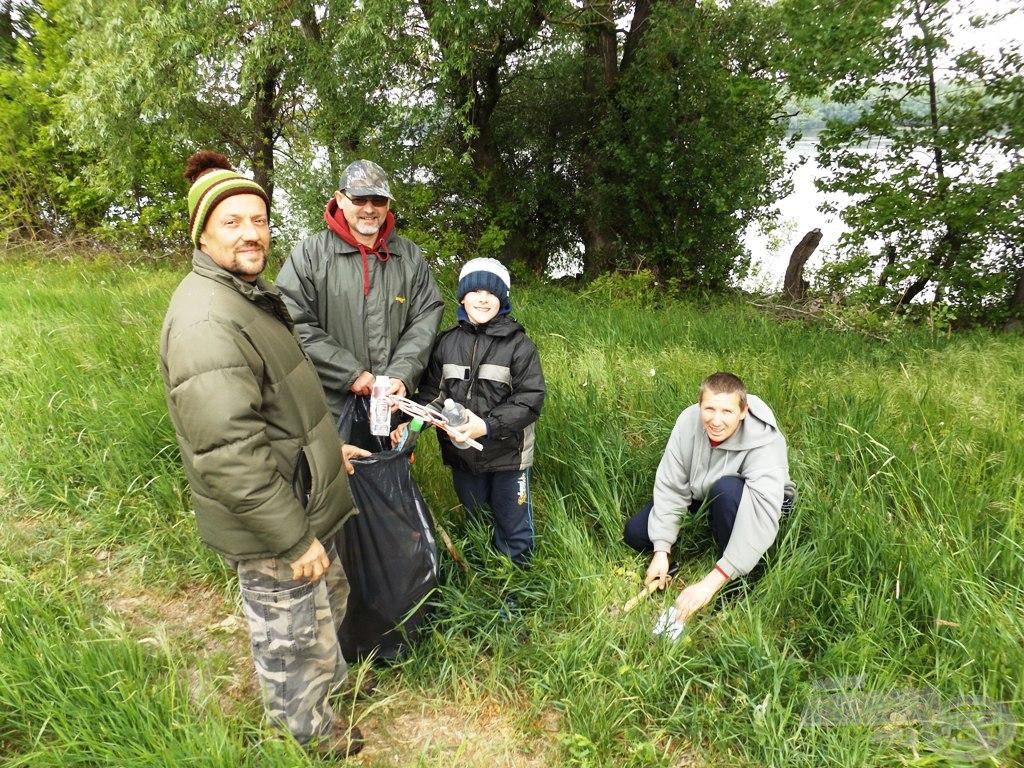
{"points": [[337, 223]]}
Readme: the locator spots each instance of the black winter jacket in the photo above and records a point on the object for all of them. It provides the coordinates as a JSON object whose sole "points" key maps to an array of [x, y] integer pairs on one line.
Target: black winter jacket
{"points": [[494, 370]]}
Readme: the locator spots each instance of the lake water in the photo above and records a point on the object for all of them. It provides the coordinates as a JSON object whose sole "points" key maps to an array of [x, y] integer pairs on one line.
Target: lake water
{"points": [[798, 215], [770, 251]]}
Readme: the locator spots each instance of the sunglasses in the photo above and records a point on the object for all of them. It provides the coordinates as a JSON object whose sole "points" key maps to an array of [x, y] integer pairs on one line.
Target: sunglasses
{"points": [[379, 201]]}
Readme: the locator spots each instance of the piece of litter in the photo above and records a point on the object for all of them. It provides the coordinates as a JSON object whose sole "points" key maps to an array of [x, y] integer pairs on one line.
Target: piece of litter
{"points": [[668, 626], [230, 624]]}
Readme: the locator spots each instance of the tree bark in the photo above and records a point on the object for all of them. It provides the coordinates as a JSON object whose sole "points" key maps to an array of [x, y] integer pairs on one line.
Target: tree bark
{"points": [[948, 252], [793, 286], [1016, 320], [889, 251], [600, 74], [8, 39], [264, 123], [603, 73]]}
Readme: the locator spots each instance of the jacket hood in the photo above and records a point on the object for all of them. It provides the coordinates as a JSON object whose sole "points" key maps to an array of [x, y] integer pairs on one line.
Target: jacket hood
{"points": [[757, 429], [338, 224], [500, 325], [203, 264]]}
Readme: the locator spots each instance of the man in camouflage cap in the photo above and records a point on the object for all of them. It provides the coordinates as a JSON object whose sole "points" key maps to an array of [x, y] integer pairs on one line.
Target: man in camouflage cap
{"points": [[362, 297]]}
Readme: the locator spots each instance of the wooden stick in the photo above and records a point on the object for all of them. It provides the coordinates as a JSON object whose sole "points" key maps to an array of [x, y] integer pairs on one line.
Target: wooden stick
{"points": [[633, 602], [451, 548]]}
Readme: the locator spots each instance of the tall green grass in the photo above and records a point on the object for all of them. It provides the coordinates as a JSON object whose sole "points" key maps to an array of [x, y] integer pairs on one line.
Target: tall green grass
{"points": [[903, 561]]}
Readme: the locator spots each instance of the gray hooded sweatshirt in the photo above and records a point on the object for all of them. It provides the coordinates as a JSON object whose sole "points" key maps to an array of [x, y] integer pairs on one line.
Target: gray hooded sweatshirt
{"points": [[756, 451]]}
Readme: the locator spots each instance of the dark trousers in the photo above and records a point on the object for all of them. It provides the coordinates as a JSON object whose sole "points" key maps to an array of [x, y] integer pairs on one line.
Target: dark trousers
{"points": [[726, 493], [507, 496]]}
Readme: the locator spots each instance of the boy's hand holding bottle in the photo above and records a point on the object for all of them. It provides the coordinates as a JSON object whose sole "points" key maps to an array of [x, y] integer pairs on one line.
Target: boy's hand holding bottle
{"points": [[462, 421], [472, 429]]}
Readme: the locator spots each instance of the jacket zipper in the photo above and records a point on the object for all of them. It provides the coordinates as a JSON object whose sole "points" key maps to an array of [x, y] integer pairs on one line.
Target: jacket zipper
{"points": [[472, 360]]}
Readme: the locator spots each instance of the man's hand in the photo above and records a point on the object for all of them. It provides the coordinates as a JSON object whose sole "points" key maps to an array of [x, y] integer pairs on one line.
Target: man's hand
{"points": [[396, 434], [349, 452], [363, 384], [696, 596], [658, 570], [311, 566], [397, 388]]}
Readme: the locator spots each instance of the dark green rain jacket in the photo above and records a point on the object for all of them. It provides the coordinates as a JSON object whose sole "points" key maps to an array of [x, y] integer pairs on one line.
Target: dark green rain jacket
{"points": [[358, 314]]}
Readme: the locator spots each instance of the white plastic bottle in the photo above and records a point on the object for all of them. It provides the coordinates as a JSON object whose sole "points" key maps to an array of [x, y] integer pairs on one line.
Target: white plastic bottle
{"points": [[380, 409]]}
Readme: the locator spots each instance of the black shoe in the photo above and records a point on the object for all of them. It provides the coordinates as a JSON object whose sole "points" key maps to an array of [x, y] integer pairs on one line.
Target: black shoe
{"points": [[341, 744], [510, 610], [367, 687]]}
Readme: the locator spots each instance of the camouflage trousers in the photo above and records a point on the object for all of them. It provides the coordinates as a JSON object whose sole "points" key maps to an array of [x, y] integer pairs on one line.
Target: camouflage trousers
{"points": [[293, 626]]}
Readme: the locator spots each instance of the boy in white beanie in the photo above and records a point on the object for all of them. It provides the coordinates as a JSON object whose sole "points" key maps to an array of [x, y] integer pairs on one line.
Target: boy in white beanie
{"points": [[488, 364]]}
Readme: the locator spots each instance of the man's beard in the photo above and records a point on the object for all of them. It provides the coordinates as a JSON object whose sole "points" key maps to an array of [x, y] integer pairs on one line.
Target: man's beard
{"points": [[244, 266], [367, 229]]}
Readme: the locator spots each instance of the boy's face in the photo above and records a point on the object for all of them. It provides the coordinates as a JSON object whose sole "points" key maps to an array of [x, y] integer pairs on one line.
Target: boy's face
{"points": [[721, 414], [481, 306]]}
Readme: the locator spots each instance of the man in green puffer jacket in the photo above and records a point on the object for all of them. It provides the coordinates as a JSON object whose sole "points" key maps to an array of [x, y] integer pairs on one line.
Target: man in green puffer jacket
{"points": [[260, 452], [362, 297]]}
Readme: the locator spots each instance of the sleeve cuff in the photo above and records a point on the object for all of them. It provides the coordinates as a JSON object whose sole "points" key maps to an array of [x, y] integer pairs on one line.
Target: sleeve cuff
{"points": [[298, 549], [663, 546], [726, 568]]}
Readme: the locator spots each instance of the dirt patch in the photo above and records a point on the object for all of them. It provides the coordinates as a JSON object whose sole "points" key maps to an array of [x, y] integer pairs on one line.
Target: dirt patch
{"points": [[486, 733], [202, 620], [200, 613]]}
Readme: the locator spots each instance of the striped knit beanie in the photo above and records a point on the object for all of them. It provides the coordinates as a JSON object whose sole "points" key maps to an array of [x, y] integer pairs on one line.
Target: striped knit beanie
{"points": [[213, 180], [485, 275]]}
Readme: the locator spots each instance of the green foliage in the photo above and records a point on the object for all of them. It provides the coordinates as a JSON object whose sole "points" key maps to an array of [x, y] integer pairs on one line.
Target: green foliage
{"points": [[701, 153], [902, 561], [934, 180], [44, 185], [616, 136], [491, 118]]}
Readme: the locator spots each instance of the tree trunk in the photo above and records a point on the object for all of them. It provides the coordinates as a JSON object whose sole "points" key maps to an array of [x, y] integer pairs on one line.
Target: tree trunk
{"points": [[794, 287], [7, 37], [890, 259], [943, 261], [264, 122], [1016, 320], [600, 71]]}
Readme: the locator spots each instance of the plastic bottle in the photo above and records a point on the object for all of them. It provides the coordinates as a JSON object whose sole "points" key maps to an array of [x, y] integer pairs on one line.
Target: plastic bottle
{"points": [[380, 409], [457, 418]]}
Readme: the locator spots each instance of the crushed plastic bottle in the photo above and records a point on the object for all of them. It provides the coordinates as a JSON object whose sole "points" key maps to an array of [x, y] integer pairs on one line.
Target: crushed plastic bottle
{"points": [[457, 418]]}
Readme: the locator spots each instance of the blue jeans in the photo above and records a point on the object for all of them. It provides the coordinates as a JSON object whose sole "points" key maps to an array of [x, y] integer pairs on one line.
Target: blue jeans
{"points": [[726, 493], [507, 495]]}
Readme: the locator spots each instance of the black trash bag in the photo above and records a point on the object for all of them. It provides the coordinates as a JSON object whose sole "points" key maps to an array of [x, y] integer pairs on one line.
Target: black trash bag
{"points": [[388, 551], [359, 425]]}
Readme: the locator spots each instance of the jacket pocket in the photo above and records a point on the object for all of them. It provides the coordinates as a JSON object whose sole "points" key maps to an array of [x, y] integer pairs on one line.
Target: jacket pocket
{"points": [[302, 478], [281, 621]]}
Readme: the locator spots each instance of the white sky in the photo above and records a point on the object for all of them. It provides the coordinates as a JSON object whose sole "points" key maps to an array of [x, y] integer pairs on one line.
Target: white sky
{"points": [[988, 40]]}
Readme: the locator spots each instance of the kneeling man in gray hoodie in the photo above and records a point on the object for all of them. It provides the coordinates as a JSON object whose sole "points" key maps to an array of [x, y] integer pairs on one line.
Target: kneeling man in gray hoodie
{"points": [[725, 452]]}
